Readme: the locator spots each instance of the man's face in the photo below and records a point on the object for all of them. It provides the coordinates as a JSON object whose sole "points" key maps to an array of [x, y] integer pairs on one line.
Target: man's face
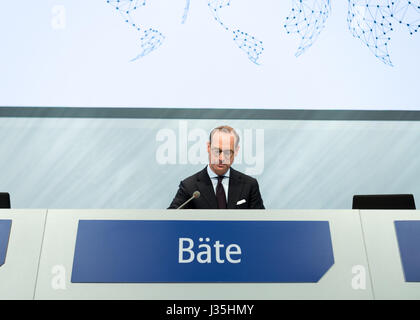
{"points": [[222, 152]]}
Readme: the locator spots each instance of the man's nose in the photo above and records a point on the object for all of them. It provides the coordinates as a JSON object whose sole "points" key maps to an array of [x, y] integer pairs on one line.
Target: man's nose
{"points": [[223, 159]]}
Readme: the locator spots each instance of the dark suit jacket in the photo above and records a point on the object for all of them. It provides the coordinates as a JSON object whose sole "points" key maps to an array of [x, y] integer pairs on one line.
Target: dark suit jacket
{"points": [[241, 187]]}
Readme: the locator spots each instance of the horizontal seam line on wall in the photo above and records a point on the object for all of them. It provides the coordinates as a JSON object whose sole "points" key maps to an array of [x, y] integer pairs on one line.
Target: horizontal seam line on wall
{"points": [[206, 113]]}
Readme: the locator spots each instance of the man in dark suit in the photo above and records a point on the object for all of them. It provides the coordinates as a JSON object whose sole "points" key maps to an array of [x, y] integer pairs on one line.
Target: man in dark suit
{"points": [[220, 186]]}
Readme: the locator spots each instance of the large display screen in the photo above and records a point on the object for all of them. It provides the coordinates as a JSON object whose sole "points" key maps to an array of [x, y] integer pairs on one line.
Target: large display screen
{"points": [[266, 54]]}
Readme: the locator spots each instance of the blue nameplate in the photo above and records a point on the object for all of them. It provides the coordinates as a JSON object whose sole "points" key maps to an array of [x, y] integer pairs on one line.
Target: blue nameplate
{"points": [[137, 251], [5, 226], [408, 235]]}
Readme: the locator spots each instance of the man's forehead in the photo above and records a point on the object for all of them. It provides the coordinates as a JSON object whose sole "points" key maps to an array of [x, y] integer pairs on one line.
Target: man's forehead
{"points": [[223, 138]]}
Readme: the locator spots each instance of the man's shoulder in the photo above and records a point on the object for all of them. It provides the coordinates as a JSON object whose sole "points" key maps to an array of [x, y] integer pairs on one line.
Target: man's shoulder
{"points": [[244, 177], [202, 174], [196, 176]]}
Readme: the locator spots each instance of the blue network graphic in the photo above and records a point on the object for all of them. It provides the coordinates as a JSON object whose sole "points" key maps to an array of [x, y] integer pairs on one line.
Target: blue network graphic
{"points": [[307, 18], [152, 39], [247, 43], [371, 21]]}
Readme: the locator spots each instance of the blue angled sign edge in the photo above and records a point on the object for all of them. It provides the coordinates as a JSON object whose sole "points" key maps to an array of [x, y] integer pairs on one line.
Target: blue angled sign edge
{"points": [[408, 238], [5, 228]]}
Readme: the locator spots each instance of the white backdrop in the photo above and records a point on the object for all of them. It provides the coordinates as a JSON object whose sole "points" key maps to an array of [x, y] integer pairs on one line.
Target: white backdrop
{"points": [[77, 53]]}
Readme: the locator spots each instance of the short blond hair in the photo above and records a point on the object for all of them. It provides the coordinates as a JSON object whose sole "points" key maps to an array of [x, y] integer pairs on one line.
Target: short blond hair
{"points": [[225, 129]]}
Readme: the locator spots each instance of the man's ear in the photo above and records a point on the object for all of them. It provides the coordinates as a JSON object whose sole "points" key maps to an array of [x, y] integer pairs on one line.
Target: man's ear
{"points": [[208, 146], [236, 151]]}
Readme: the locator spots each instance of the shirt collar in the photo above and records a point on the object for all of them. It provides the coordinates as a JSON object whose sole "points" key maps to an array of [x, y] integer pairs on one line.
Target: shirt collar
{"points": [[212, 175]]}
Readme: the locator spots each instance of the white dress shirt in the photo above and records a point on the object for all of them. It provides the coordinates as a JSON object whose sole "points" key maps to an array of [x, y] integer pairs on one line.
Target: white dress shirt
{"points": [[214, 180]]}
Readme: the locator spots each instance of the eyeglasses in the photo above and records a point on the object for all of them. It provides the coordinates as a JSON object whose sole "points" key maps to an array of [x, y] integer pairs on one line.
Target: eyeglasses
{"points": [[226, 153]]}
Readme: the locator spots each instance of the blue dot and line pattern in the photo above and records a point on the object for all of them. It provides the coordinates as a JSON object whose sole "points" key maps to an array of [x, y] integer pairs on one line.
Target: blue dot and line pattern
{"points": [[307, 18], [150, 39], [373, 21], [246, 42], [370, 21]]}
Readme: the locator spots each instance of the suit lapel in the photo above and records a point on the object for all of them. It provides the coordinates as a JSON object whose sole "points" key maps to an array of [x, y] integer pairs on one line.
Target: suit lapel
{"points": [[206, 189], [235, 189]]}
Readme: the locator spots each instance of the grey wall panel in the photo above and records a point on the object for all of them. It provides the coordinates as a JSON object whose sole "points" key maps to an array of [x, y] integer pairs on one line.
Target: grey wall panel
{"points": [[138, 163]]}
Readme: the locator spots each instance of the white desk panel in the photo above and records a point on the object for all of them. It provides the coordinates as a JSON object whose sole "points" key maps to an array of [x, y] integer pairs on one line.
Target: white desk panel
{"points": [[384, 255], [60, 238], [19, 273]]}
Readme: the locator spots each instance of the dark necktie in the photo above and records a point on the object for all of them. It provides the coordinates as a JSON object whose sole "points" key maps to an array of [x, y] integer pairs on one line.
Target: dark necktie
{"points": [[220, 194]]}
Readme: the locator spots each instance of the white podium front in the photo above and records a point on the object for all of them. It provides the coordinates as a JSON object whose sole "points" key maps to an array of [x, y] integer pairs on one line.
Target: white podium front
{"points": [[43, 258], [60, 238], [383, 249], [18, 274]]}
